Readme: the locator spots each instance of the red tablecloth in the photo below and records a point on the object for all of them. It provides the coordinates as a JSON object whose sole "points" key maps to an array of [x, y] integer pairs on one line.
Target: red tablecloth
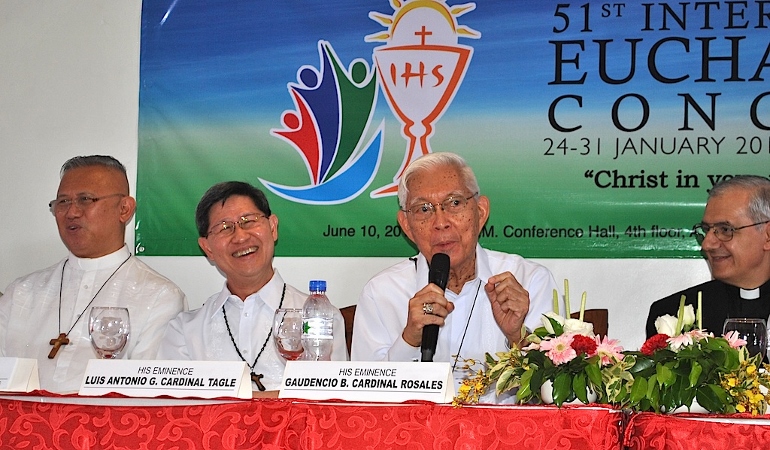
{"points": [[285, 424], [697, 432]]}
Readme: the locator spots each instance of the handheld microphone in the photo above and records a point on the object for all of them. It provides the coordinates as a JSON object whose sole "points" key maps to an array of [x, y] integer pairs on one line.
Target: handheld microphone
{"points": [[438, 275]]}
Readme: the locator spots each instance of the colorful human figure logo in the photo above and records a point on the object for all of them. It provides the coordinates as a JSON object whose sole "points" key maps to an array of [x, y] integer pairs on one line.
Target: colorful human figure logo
{"points": [[328, 128]]}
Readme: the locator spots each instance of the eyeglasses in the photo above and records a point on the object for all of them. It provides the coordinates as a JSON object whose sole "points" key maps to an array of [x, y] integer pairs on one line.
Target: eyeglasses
{"points": [[451, 205], [227, 228], [723, 231], [83, 202]]}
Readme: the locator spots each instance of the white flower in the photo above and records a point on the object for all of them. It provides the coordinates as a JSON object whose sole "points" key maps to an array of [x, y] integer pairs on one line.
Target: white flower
{"points": [[579, 327], [689, 316], [666, 324], [547, 323]]}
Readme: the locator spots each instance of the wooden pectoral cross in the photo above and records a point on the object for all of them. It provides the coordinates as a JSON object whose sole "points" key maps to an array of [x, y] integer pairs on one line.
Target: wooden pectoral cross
{"points": [[57, 343], [255, 377]]}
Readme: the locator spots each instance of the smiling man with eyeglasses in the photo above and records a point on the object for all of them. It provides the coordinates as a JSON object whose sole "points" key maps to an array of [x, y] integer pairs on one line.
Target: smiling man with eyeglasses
{"points": [[734, 235], [44, 315], [237, 231], [489, 295]]}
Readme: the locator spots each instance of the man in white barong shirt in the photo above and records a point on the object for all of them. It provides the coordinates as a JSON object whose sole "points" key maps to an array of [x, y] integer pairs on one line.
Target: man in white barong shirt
{"points": [[490, 297], [238, 232], [92, 208]]}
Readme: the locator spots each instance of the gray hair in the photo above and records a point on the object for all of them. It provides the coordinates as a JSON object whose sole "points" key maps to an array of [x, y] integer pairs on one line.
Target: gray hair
{"points": [[432, 161], [758, 208], [92, 160]]}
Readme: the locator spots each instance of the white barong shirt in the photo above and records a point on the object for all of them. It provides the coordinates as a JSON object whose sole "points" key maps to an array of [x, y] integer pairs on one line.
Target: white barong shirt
{"points": [[383, 307], [29, 313]]}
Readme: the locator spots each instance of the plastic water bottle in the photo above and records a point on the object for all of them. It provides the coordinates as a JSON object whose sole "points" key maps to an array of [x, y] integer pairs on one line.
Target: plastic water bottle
{"points": [[318, 322]]}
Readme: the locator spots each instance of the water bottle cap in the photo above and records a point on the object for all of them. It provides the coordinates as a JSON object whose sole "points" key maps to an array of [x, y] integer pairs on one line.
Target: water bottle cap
{"points": [[317, 285]]}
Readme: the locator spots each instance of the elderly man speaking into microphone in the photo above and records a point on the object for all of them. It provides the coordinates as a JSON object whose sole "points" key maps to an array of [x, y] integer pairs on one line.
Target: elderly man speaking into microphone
{"points": [[490, 296]]}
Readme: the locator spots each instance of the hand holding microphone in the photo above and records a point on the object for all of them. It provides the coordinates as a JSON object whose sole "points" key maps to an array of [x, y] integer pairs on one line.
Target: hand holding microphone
{"points": [[438, 275]]}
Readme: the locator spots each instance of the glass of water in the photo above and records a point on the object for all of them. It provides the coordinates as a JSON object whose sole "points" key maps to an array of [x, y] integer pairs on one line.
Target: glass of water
{"points": [[753, 331], [287, 333], [109, 328]]}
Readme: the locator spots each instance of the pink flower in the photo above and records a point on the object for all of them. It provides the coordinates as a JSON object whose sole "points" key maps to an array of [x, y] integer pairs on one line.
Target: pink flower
{"points": [[677, 342], [609, 350], [559, 349], [734, 340], [698, 334]]}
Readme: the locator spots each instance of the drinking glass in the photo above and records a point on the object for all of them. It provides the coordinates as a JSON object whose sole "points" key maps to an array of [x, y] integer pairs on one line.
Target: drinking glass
{"points": [[753, 331], [287, 332], [109, 329]]}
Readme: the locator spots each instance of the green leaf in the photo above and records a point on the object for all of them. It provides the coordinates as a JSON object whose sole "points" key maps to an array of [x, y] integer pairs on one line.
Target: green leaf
{"points": [[644, 365], [579, 387], [594, 374], [665, 375], [541, 332], [615, 391], [712, 397], [536, 378], [505, 380], [562, 386], [680, 394], [525, 391], [638, 390], [732, 360], [653, 396], [496, 370], [695, 372], [558, 329]]}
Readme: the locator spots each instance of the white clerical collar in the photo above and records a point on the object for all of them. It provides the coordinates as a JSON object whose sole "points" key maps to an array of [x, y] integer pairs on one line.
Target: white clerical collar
{"points": [[102, 262], [750, 294]]}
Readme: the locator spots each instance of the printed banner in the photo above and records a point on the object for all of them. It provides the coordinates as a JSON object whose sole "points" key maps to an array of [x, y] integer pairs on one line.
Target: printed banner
{"points": [[596, 129]]}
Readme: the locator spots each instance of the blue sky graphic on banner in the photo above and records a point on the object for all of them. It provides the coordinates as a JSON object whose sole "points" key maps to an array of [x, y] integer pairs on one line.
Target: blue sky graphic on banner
{"points": [[596, 128]]}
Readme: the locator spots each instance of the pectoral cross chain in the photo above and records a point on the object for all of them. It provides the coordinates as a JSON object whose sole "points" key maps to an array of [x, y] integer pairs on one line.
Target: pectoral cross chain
{"points": [[256, 377], [57, 343]]}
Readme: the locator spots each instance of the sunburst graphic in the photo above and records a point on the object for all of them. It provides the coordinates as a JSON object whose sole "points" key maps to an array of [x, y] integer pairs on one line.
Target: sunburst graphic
{"points": [[450, 14], [421, 66]]}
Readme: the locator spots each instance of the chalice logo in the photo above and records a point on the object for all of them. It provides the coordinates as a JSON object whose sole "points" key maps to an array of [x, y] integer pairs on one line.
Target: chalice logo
{"points": [[421, 66]]}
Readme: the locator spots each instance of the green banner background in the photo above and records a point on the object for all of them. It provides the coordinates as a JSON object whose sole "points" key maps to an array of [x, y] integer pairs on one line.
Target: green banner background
{"points": [[212, 90]]}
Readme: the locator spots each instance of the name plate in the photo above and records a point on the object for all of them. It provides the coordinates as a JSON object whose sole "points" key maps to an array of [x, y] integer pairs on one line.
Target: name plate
{"points": [[138, 378], [368, 381], [19, 375]]}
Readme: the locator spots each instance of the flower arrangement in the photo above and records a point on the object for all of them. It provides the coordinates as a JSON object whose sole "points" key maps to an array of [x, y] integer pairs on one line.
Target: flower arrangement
{"points": [[680, 367], [683, 365], [563, 353]]}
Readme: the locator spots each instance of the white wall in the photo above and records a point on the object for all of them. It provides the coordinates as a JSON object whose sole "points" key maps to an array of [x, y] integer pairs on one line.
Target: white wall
{"points": [[70, 75]]}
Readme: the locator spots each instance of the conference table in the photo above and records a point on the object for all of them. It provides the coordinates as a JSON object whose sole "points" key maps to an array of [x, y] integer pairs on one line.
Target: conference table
{"points": [[45, 421], [41, 420]]}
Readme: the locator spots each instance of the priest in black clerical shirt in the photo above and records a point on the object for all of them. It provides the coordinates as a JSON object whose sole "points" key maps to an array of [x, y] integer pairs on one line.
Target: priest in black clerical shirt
{"points": [[735, 238]]}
